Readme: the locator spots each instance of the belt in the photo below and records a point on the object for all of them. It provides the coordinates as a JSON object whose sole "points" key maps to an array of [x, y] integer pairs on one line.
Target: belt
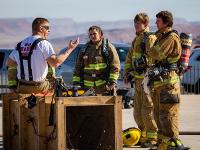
{"points": [[30, 83]]}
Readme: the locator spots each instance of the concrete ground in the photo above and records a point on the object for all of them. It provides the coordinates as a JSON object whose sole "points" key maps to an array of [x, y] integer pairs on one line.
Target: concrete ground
{"points": [[189, 121]]}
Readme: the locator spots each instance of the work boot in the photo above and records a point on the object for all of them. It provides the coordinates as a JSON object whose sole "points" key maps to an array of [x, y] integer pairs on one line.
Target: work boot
{"points": [[172, 144], [152, 144], [142, 140], [127, 106], [176, 144]]}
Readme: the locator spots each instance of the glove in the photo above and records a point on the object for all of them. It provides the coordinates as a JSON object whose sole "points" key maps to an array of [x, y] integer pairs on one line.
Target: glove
{"points": [[110, 86], [140, 63]]}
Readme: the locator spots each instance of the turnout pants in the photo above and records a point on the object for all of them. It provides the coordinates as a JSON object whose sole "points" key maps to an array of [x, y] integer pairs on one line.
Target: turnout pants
{"points": [[143, 112], [166, 101]]}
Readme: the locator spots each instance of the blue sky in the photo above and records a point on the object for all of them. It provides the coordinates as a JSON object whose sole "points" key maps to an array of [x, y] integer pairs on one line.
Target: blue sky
{"points": [[98, 10]]}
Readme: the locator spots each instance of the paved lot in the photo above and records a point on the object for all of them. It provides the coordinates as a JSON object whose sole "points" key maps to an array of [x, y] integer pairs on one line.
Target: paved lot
{"points": [[189, 121]]}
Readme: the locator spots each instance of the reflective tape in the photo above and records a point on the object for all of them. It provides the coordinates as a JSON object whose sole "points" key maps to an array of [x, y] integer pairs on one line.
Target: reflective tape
{"points": [[12, 82], [114, 76], [76, 79], [92, 83], [152, 135], [136, 55], [96, 66], [172, 80], [127, 66], [173, 60]]}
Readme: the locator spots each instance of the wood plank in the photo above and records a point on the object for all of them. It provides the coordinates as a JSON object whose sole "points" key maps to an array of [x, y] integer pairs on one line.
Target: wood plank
{"points": [[21, 127], [6, 118], [87, 100], [118, 123], [6, 122], [61, 140], [29, 139], [41, 123], [51, 145], [14, 123]]}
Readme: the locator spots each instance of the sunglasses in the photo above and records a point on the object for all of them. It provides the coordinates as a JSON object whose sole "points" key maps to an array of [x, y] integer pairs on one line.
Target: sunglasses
{"points": [[46, 27]]}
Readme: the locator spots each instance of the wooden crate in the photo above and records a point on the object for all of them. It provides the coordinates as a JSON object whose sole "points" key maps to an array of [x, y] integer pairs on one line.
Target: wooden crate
{"points": [[101, 115], [90, 123]]}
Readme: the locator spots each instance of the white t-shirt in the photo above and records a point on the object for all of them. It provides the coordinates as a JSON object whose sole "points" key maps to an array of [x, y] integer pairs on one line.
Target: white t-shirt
{"points": [[39, 65]]}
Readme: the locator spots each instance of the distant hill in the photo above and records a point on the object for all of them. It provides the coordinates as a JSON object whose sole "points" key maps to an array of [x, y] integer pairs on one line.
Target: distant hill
{"points": [[62, 30]]}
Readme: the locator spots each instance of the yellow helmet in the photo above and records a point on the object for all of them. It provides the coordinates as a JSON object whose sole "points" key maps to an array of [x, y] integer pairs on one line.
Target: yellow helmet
{"points": [[131, 136]]}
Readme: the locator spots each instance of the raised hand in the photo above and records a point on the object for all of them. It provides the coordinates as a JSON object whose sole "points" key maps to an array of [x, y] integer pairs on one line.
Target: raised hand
{"points": [[73, 44]]}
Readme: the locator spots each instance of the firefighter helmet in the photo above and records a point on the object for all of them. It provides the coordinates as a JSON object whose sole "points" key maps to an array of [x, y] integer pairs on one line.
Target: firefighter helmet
{"points": [[131, 136]]}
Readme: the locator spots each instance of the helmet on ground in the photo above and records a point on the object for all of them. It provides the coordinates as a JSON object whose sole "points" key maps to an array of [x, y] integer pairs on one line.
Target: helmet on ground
{"points": [[131, 136]]}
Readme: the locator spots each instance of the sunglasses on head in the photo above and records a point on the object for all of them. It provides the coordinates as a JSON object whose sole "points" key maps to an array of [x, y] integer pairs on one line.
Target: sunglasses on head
{"points": [[46, 27]]}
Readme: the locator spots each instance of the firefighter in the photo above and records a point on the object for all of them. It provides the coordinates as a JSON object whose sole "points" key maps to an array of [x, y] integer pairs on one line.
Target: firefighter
{"points": [[143, 105], [164, 81], [98, 63], [32, 56]]}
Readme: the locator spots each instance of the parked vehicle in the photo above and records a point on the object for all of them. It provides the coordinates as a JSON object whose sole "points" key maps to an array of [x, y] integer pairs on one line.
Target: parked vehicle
{"points": [[66, 70], [191, 79], [4, 53]]}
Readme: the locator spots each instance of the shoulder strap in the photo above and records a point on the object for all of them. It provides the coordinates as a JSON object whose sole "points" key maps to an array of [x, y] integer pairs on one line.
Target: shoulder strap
{"points": [[165, 36], [82, 53], [105, 48], [168, 33], [21, 58], [34, 44], [106, 56], [144, 41]]}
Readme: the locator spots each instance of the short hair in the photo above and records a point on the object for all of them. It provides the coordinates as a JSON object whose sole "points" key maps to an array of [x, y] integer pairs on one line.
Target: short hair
{"points": [[166, 17], [37, 22], [96, 28], [143, 17]]}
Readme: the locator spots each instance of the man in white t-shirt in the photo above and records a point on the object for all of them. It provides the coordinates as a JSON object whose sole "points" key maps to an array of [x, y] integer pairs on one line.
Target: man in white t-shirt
{"points": [[32, 56]]}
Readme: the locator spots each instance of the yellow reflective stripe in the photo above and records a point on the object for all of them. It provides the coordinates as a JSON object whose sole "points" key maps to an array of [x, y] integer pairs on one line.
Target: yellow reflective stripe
{"points": [[76, 79], [114, 76], [173, 80], [96, 66], [88, 83], [12, 82], [152, 135], [51, 70], [136, 75], [100, 82], [127, 66], [136, 55], [12, 68], [139, 77], [173, 60], [91, 83]]}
